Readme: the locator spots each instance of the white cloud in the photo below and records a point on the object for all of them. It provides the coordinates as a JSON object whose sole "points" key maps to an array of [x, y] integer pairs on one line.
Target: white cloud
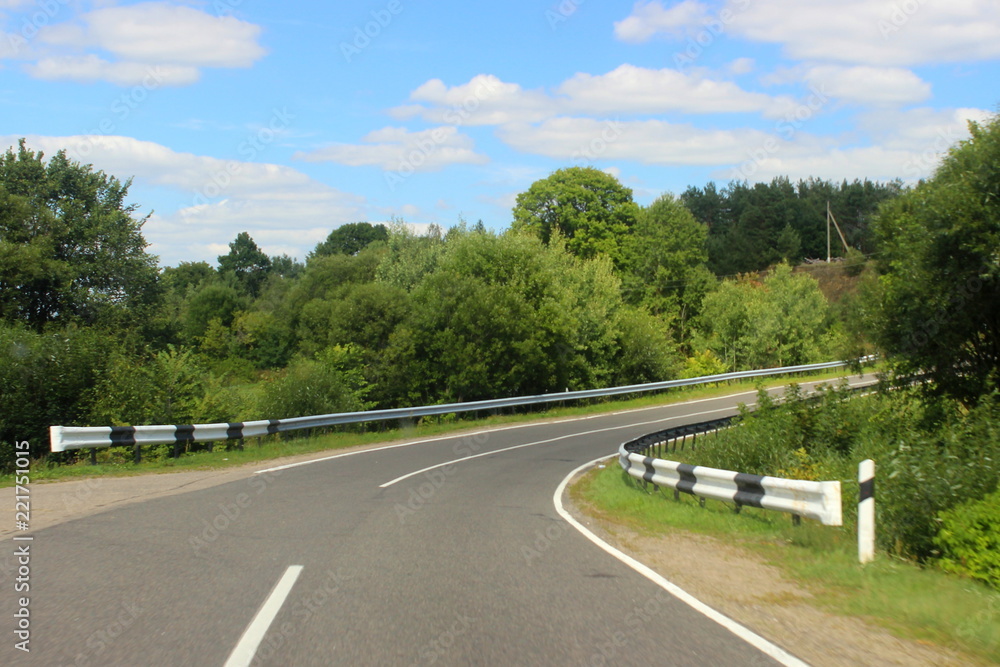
{"points": [[869, 85], [179, 40], [868, 32], [398, 149], [628, 89], [905, 144], [647, 141], [631, 89], [484, 100], [92, 68], [650, 18]]}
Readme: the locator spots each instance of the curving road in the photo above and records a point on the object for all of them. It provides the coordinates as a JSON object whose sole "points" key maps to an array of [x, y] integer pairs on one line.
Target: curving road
{"points": [[447, 551]]}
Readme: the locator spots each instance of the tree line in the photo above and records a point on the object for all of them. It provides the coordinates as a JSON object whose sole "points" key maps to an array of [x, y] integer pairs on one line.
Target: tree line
{"points": [[586, 289]]}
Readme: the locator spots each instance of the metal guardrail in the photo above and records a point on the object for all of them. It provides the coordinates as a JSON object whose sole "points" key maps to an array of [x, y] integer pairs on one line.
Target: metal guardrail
{"points": [[64, 438], [801, 498]]}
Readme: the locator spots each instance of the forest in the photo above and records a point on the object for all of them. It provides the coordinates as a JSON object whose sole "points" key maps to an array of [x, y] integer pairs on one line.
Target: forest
{"points": [[585, 289]]}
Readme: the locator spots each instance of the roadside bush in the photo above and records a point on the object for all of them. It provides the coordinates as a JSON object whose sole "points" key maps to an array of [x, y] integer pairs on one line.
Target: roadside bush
{"points": [[930, 457], [969, 539], [323, 385]]}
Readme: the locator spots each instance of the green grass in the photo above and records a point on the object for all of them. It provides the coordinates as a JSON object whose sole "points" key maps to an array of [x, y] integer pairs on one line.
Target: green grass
{"points": [[910, 601], [156, 459]]}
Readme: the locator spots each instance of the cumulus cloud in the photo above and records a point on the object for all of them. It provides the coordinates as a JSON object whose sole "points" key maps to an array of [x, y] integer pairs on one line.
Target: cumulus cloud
{"points": [[648, 141], [398, 149], [177, 39], [886, 33], [484, 100], [869, 85], [628, 89], [651, 18], [631, 89]]}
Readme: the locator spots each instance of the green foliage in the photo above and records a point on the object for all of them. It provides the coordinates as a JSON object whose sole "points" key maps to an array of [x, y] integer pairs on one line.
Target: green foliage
{"points": [[752, 227], [584, 205], [930, 457], [247, 263], [936, 306], [213, 300], [774, 322], [325, 384], [701, 364], [70, 249], [409, 257], [164, 388], [664, 262], [43, 379], [350, 239], [969, 539], [506, 316]]}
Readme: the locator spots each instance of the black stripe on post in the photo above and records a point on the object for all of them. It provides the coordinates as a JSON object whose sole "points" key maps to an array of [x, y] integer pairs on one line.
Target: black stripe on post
{"points": [[647, 476], [867, 490], [123, 435], [235, 431], [686, 472], [272, 426], [183, 433], [748, 490]]}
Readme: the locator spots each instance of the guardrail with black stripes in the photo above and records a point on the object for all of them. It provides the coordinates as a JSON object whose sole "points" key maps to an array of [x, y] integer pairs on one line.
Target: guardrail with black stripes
{"points": [[800, 498], [64, 438]]}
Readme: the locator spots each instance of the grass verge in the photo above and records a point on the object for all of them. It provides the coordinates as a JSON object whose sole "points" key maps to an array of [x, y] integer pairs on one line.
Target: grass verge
{"points": [[911, 602], [156, 459]]}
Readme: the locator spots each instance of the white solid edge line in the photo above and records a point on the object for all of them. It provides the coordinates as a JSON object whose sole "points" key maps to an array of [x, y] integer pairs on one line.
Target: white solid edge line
{"points": [[772, 650], [246, 648]]}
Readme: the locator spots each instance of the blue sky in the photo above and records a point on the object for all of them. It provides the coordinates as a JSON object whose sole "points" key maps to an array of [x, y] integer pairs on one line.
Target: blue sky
{"points": [[286, 122]]}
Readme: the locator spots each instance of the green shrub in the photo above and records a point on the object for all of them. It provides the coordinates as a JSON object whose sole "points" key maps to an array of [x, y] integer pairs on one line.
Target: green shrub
{"points": [[969, 539]]}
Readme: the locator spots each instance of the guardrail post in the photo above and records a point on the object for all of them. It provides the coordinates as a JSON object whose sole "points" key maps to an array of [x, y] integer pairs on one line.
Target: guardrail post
{"points": [[137, 453], [93, 456], [866, 511]]}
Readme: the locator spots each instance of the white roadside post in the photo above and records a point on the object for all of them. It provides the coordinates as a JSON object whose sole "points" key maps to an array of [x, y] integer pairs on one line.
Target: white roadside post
{"points": [[866, 511]]}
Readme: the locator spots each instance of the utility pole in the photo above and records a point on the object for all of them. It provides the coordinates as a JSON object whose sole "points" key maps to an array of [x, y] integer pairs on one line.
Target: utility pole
{"points": [[829, 217]]}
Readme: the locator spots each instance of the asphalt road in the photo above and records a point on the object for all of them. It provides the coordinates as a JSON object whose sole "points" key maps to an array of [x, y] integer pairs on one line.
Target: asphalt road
{"points": [[462, 564]]}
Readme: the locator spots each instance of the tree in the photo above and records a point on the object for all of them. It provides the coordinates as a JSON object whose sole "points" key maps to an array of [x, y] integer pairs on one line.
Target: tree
{"points": [[350, 239], [584, 205], [247, 262], [936, 305], [761, 324], [665, 261], [70, 247]]}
